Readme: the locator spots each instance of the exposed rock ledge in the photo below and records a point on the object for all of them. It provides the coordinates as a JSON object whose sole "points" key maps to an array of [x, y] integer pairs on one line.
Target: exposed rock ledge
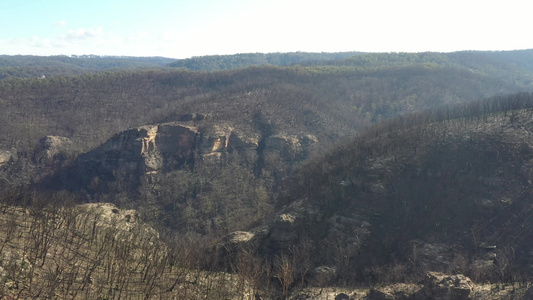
{"points": [[5, 156], [53, 150], [149, 149]]}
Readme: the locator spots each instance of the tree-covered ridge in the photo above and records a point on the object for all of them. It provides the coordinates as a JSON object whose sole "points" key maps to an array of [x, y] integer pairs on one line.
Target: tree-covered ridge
{"points": [[482, 61], [237, 61], [456, 177], [25, 66], [513, 64], [330, 101]]}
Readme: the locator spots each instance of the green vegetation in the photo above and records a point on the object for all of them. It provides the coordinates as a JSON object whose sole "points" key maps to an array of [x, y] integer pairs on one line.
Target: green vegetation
{"points": [[25, 66], [237, 61]]}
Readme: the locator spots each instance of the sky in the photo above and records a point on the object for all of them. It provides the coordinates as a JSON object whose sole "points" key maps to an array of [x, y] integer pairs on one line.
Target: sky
{"points": [[187, 28]]}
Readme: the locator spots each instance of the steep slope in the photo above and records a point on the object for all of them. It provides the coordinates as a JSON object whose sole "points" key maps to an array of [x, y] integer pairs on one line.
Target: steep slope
{"points": [[188, 176], [448, 190], [98, 251]]}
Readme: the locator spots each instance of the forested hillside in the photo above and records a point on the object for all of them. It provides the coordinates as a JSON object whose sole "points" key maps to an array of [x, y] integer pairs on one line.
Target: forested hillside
{"points": [[359, 165], [452, 182], [237, 61], [442, 190], [285, 114], [25, 66], [91, 107]]}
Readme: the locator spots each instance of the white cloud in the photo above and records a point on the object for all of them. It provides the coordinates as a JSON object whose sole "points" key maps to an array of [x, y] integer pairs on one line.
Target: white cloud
{"points": [[41, 42], [82, 34], [79, 41], [60, 23]]}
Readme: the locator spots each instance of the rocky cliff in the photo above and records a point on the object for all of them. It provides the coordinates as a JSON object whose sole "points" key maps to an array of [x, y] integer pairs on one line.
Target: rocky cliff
{"points": [[5, 156], [154, 148], [221, 170]]}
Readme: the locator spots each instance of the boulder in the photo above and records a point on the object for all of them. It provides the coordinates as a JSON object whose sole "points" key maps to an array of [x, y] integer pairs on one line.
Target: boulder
{"points": [[441, 286], [283, 231], [342, 296], [399, 291], [322, 275], [5, 157], [109, 215], [239, 237], [233, 244]]}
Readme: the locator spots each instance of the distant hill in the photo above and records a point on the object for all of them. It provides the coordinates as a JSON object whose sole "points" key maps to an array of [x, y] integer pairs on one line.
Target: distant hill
{"points": [[515, 64], [25, 66], [342, 95], [237, 61]]}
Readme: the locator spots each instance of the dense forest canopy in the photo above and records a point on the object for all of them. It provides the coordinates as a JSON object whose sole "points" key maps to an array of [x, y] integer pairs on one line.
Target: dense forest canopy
{"points": [[37, 66], [349, 94], [226, 62]]}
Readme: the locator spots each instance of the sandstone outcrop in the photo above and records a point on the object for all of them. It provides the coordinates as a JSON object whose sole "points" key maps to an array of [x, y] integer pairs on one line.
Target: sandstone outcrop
{"points": [[289, 146], [5, 157], [143, 150], [153, 148], [149, 149], [439, 286], [53, 150], [110, 215]]}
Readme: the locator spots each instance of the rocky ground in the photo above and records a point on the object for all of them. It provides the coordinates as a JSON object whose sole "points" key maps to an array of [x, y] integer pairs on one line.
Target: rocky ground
{"points": [[436, 286]]}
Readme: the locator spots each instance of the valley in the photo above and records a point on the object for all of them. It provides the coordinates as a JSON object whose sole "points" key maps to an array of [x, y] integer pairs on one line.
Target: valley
{"points": [[294, 176]]}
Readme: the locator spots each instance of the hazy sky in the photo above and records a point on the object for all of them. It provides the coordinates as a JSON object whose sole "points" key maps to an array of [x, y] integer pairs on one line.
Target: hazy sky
{"points": [[185, 28]]}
